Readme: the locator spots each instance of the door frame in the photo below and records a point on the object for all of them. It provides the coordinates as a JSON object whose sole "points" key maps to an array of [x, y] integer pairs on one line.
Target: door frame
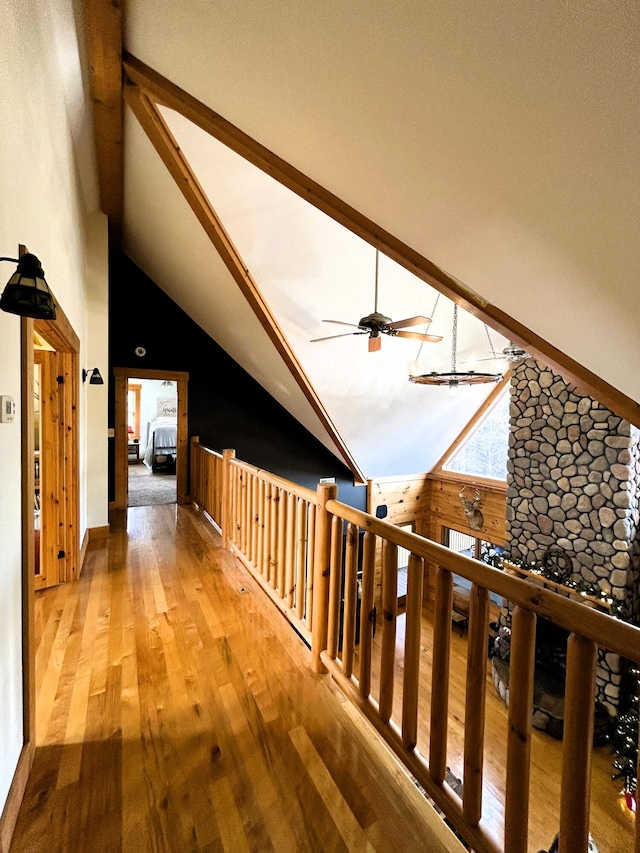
{"points": [[122, 375], [59, 334]]}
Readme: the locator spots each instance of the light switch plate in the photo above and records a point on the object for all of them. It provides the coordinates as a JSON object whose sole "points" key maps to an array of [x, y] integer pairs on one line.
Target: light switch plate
{"points": [[7, 409]]}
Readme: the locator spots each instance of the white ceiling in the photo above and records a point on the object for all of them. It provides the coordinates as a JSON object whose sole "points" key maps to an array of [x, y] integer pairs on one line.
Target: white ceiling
{"points": [[499, 140]]}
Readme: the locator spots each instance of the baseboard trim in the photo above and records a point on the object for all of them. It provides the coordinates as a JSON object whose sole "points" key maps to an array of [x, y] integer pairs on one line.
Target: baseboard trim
{"points": [[90, 535], [99, 532], [14, 798]]}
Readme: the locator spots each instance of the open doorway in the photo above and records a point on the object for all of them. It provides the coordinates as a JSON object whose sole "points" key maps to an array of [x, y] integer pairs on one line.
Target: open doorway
{"points": [[151, 437], [152, 441]]}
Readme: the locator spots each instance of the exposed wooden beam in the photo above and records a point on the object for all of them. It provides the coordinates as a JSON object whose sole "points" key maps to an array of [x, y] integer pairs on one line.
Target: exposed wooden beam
{"points": [[165, 92], [163, 141], [103, 29]]}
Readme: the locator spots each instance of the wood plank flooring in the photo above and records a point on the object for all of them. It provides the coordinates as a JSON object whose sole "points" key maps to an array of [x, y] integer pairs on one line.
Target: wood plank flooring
{"points": [[176, 712]]}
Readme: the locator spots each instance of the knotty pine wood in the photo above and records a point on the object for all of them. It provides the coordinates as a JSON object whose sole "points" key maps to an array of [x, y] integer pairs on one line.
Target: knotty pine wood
{"points": [[175, 713], [612, 825]]}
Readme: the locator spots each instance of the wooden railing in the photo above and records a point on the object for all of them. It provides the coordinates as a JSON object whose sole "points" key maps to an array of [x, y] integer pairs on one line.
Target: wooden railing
{"points": [[206, 480], [275, 527]]}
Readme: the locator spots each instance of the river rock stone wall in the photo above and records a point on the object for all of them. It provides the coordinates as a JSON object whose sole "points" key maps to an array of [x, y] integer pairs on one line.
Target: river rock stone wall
{"points": [[574, 482]]}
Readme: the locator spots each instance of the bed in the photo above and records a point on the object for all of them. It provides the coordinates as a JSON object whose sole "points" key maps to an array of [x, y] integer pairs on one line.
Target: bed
{"points": [[161, 444]]}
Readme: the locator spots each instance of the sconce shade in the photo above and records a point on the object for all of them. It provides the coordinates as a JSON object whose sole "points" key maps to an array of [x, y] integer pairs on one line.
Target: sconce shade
{"points": [[94, 376], [27, 293]]}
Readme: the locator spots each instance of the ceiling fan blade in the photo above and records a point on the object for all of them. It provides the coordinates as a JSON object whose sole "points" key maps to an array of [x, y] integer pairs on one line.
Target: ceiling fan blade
{"points": [[341, 323], [417, 336], [331, 337], [410, 321], [375, 344]]}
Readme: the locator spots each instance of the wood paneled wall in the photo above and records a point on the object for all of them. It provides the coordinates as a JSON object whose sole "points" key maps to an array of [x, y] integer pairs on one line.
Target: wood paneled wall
{"points": [[430, 502]]}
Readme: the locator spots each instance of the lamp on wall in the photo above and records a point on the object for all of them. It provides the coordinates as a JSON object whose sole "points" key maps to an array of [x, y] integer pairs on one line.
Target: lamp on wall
{"points": [[27, 293], [94, 376]]}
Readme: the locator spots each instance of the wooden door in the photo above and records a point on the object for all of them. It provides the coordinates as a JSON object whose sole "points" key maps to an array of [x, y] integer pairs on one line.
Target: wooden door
{"points": [[58, 538]]}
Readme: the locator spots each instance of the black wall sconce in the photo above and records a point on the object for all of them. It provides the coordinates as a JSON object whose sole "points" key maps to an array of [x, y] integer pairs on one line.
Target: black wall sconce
{"points": [[27, 293], [94, 376]]}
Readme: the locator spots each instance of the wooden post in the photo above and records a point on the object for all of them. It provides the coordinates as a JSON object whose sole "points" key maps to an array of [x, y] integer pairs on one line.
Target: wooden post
{"points": [[311, 550], [333, 619], [227, 509], [389, 620], [350, 583], [290, 550], [281, 542], [195, 482], [301, 555], [440, 676], [411, 679], [475, 704], [321, 557], [579, 706], [521, 670], [366, 612]]}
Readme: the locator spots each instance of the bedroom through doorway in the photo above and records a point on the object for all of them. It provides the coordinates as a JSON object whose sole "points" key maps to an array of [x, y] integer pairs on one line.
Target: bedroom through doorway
{"points": [[152, 442], [151, 437]]}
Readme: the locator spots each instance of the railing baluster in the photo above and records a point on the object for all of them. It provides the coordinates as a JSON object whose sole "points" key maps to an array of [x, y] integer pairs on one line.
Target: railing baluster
{"points": [[579, 701], [412, 645], [244, 547], [274, 509], [350, 583], [281, 542], [440, 676], [521, 670], [308, 586], [475, 703], [366, 612], [335, 578], [260, 523], [255, 521], [389, 619], [289, 551], [301, 556]]}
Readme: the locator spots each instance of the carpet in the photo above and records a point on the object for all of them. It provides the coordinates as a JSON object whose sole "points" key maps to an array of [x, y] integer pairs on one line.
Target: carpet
{"points": [[148, 489]]}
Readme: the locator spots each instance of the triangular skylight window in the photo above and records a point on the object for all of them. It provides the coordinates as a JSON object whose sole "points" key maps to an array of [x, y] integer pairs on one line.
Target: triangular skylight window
{"points": [[484, 453]]}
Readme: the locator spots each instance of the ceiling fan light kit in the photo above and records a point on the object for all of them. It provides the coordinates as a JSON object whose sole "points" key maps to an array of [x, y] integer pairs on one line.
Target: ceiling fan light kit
{"points": [[377, 324]]}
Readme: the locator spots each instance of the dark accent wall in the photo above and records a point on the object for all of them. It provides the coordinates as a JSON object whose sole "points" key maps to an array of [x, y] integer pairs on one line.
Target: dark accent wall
{"points": [[227, 407]]}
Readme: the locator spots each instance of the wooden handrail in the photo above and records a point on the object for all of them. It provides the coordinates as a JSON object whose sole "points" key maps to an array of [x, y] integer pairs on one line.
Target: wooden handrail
{"points": [[292, 540], [299, 491], [612, 634]]}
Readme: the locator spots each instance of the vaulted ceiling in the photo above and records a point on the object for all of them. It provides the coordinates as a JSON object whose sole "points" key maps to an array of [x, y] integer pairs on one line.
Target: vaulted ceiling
{"points": [[490, 151]]}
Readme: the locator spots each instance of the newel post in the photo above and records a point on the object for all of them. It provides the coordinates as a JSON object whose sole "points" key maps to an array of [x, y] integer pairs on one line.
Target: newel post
{"points": [[321, 562], [227, 496]]}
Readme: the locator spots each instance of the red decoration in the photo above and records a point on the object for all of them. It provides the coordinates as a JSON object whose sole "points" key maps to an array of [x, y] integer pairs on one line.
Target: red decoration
{"points": [[632, 803]]}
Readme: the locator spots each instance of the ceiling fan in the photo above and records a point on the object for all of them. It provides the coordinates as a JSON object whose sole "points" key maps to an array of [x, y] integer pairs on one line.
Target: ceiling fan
{"points": [[376, 324], [512, 353]]}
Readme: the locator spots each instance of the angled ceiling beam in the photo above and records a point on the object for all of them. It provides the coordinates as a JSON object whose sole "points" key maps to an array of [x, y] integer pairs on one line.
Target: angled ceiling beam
{"points": [[103, 31], [165, 144], [163, 91]]}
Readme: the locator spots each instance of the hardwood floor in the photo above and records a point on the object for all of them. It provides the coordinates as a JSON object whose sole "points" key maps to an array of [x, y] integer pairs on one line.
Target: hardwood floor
{"points": [[176, 711]]}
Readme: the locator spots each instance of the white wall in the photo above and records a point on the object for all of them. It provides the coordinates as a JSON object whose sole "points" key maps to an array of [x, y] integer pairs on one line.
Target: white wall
{"points": [[45, 145]]}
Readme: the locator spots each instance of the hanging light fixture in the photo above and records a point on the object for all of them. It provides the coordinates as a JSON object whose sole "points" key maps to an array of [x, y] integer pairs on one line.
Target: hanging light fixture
{"points": [[454, 378], [27, 293]]}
